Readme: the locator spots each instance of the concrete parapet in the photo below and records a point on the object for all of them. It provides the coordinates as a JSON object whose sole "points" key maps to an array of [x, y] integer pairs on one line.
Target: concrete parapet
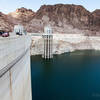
{"points": [[15, 81]]}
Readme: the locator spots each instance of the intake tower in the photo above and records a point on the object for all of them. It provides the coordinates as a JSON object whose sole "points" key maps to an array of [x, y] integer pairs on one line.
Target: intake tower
{"points": [[47, 43]]}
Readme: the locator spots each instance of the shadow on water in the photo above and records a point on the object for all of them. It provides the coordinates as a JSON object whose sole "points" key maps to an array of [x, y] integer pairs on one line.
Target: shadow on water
{"points": [[69, 76]]}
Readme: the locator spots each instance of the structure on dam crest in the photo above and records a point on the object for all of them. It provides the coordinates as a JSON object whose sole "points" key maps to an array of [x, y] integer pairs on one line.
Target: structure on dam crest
{"points": [[19, 30], [15, 76]]}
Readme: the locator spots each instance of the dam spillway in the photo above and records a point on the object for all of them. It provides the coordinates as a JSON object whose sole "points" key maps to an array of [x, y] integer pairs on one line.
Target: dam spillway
{"points": [[15, 76]]}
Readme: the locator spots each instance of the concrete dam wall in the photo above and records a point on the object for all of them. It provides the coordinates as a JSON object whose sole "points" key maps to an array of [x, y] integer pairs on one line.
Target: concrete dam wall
{"points": [[15, 76]]}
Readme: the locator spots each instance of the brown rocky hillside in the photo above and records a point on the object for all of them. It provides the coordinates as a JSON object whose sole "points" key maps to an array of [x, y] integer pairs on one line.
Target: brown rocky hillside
{"points": [[4, 23], [60, 14], [64, 18], [22, 15], [96, 20]]}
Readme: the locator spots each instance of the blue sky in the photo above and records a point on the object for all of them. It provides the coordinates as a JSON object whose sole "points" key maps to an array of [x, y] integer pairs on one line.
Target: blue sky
{"points": [[7, 6]]}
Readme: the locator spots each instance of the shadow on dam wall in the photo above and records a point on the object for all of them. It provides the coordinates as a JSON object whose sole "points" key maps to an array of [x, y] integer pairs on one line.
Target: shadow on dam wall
{"points": [[15, 81]]}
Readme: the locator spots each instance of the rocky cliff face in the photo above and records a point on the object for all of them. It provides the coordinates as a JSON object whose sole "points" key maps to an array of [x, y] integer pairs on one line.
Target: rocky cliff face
{"points": [[66, 19], [5, 24], [66, 43], [22, 15], [66, 14], [96, 12], [96, 20], [62, 17]]}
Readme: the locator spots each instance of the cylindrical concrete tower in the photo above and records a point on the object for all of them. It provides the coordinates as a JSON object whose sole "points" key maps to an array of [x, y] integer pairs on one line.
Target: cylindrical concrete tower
{"points": [[47, 43]]}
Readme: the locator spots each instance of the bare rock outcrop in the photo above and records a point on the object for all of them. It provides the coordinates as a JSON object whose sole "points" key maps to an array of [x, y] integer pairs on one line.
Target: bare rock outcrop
{"points": [[22, 15], [96, 20], [63, 43], [64, 18], [61, 14], [5, 24]]}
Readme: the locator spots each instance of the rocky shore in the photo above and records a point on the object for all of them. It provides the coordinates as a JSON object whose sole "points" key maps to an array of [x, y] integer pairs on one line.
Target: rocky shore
{"points": [[66, 43]]}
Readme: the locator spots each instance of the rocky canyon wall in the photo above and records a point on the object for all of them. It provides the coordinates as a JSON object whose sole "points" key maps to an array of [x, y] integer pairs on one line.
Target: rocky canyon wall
{"points": [[62, 17], [66, 43]]}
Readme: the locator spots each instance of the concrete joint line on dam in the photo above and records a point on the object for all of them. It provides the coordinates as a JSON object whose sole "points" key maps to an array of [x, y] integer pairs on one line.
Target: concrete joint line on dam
{"points": [[10, 65], [10, 78]]}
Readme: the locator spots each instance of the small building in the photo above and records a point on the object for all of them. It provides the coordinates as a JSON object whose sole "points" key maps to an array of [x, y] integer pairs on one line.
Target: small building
{"points": [[47, 42], [19, 30]]}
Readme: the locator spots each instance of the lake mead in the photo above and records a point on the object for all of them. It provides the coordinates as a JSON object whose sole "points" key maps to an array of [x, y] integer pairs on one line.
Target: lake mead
{"points": [[69, 76]]}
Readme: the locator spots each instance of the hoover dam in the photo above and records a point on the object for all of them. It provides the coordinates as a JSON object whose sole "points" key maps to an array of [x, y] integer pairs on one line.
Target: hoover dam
{"points": [[15, 74], [15, 52]]}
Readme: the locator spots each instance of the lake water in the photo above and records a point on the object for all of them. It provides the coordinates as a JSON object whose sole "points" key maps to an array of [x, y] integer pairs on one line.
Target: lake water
{"points": [[69, 76]]}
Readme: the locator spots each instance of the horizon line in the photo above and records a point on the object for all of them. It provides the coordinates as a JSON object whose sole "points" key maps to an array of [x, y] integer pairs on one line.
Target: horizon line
{"points": [[49, 5]]}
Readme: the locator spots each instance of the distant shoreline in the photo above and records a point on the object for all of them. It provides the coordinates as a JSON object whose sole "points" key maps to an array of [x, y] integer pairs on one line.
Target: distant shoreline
{"points": [[63, 43]]}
